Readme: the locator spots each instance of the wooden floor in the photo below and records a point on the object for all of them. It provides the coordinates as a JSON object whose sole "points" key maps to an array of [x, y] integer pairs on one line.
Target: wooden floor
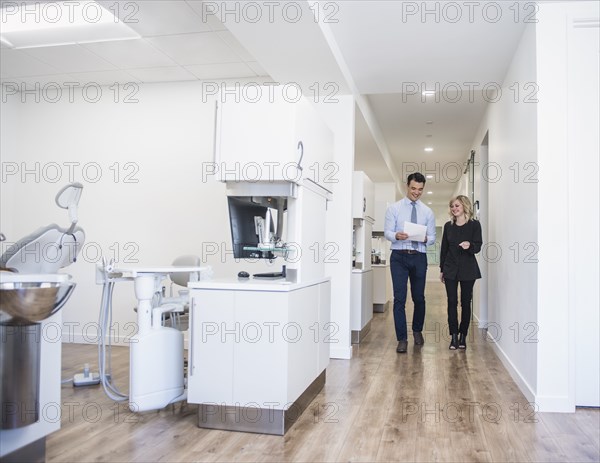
{"points": [[430, 404]]}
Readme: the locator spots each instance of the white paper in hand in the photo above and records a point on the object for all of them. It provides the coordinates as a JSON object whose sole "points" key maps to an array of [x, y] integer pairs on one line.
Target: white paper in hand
{"points": [[415, 231]]}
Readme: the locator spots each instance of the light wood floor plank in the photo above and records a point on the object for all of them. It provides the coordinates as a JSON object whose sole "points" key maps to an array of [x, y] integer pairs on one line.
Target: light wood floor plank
{"points": [[430, 404]]}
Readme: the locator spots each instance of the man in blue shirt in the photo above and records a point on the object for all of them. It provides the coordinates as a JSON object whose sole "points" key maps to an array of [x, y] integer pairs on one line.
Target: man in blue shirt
{"points": [[409, 258]]}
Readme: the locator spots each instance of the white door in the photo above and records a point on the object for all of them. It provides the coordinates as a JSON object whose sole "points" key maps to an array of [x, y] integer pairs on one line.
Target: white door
{"points": [[584, 120]]}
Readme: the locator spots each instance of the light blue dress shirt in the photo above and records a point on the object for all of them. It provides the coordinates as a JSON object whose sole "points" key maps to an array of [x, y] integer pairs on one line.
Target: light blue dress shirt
{"points": [[400, 212]]}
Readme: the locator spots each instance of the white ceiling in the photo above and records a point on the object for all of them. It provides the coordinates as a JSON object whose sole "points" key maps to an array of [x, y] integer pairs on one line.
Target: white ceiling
{"points": [[377, 50], [177, 43], [394, 50]]}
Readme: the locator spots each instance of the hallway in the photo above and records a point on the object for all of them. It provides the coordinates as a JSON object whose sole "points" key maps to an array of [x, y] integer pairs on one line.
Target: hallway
{"points": [[430, 404]]}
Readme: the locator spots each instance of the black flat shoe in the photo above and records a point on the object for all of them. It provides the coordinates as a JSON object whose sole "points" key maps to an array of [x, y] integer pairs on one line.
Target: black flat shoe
{"points": [[454, 342], [462, 341]]}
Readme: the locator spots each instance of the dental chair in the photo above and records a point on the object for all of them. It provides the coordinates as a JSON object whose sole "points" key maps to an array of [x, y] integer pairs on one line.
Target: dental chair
{"points": [[173, 307], [49, 248], [32, 290]]}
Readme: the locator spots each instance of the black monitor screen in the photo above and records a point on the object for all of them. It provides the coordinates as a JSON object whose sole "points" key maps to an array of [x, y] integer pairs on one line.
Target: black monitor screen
{"points": [[243, 231]]}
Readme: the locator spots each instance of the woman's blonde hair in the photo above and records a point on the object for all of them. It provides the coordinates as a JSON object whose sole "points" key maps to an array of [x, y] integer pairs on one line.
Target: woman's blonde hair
{"points": [[466, 204]]}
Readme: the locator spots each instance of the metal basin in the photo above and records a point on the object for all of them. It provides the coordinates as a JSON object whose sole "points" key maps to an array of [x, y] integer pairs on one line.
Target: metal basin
{"points": [[24, 302]]}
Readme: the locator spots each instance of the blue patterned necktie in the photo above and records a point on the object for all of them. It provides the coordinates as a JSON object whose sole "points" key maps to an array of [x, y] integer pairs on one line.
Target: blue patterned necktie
{"points": [[413, 219]]}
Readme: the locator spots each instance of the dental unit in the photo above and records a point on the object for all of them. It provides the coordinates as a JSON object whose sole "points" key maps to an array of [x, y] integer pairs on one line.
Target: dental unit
{"points": [[32, 292], [157, 370]]}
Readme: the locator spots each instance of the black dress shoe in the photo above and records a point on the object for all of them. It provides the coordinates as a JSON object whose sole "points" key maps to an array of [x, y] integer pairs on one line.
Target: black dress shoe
{"points": [[462, 341], [402, 346], [419, 341], [453, 342]]}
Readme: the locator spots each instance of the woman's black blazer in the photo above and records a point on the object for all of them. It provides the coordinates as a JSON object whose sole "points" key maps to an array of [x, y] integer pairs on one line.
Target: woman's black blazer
{"points": [[457, 263]]}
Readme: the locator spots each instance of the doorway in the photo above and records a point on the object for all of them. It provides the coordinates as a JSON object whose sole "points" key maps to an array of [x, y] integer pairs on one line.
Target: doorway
{"points": [[478, 193]]}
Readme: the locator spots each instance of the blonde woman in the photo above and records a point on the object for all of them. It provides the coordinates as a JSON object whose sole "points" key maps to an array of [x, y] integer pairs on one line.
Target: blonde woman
{"points": [[460, 242]]}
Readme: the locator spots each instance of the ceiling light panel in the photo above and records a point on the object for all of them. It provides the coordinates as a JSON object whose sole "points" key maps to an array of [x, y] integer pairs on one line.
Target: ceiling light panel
{"points": [[28, 25]]}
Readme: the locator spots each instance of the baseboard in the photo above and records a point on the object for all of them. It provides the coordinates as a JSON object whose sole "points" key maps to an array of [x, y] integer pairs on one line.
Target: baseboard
{"points": [[556, 404], [356, 337], [514, 373], [116, 340], [275, 421], [339, 352], [76, 338], [381, 308], [481, 323]]}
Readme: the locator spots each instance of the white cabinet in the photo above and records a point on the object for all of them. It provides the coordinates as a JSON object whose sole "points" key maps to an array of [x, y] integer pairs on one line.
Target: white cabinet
{"points": [[361, 309], [385, 195], [267, 139], [256, 346], [362, 197], [382, 287]]}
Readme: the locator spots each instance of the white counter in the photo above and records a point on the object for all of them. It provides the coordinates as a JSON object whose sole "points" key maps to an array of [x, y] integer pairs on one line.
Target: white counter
{"points": [[360, 270], [254, 284]]}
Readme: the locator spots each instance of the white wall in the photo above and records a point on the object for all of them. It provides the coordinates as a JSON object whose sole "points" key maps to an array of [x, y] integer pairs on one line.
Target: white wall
{"points": [[512, 232], [163, 209], [540, 306], [8, 144], [340, 117], [565, 162]]}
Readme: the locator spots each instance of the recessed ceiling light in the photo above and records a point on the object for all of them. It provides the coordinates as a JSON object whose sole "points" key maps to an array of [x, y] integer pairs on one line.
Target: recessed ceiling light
{"points": [[430, 192], [429, 202], [429, 149], [60, 23], [429, 176], [429, 122], [428, 93]]}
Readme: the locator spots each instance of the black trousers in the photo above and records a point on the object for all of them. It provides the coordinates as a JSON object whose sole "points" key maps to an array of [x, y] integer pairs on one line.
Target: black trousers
{"points": [[466, 295]]}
